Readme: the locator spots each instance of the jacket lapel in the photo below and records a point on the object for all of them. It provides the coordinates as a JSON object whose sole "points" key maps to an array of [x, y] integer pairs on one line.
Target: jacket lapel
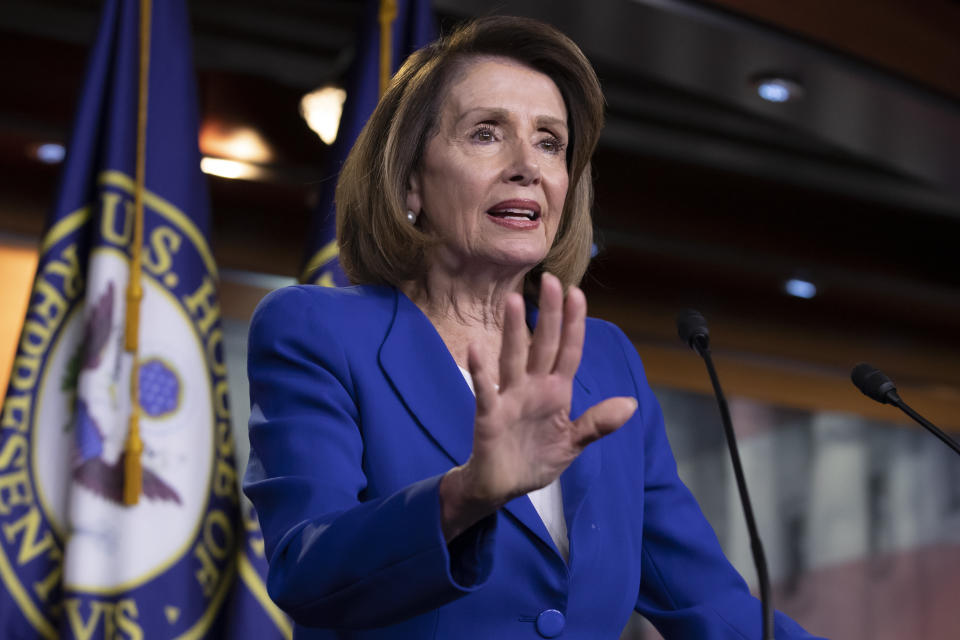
{"points": [[576, 481], [425, 375], [421, 369]]}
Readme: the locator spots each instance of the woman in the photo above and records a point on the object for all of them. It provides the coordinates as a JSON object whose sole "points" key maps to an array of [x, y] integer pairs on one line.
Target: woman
{"points": [[393, 503]]}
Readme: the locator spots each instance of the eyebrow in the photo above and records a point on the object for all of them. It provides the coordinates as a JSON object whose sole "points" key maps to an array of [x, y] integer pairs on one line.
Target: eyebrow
{"points": [[502, 114]]}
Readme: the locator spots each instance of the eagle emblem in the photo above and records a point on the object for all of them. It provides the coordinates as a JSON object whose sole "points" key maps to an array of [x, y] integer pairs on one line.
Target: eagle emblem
{"points": [[159, 389]]}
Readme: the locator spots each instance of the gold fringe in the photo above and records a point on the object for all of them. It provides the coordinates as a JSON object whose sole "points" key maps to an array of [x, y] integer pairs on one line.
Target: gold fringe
{"points": [[132, 471], [388, 12], [133, 449]]}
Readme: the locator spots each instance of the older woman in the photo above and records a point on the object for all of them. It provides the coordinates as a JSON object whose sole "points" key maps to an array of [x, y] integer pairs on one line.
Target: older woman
{"points": [[421, 443]]}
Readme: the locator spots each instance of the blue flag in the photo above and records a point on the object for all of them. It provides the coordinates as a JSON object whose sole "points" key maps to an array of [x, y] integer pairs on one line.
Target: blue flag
{"points": [[77, 560], [414, 26]]}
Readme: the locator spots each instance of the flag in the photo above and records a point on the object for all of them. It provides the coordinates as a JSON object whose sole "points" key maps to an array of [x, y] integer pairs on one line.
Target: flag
{"points": [[411, 24], [251, 614], [119, 509]]}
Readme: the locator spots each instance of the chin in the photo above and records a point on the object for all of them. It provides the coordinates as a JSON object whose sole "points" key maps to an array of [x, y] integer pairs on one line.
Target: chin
{"points": [[529, 252], [521, 261]]}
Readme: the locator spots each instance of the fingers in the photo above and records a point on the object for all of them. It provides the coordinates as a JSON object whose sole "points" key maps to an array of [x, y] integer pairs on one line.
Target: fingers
{"points": [[483, 385], [513, 350], [603, 418], [571, 338], [546, 336], [557, 340]]}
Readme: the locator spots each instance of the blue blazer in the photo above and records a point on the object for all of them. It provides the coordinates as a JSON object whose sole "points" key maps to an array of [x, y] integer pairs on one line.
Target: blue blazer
{"points": [[358, 410]]}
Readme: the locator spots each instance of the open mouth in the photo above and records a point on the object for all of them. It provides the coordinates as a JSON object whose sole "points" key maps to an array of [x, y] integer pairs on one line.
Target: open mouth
{"points": [[512, 213]]}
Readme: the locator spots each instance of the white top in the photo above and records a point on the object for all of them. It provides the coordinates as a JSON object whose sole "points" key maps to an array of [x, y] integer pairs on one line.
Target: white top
{"points": [[548, 501]]}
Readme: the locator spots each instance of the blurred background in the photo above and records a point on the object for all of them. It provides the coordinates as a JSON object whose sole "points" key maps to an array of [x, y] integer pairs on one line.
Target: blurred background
{"points": [[789, 169]]}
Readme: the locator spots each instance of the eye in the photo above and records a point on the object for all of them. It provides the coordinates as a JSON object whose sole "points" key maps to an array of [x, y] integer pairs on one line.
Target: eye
{"points": [[484, 133], [552, 144]]}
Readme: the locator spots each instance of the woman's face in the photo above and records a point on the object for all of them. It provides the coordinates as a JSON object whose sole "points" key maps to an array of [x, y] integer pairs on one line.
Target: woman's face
{"points": [[493, 178]]}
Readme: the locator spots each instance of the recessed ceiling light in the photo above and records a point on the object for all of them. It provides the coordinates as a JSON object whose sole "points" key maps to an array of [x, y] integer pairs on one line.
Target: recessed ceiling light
{"points": [[800, 288], [777, 89], [51, 153]]}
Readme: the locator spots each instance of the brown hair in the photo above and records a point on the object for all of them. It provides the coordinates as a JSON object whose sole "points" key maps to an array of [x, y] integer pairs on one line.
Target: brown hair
{"points": [[377, 243]]}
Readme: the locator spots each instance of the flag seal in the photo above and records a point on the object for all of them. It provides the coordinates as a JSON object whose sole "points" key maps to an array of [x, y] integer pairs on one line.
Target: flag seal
{"points": [[72, 554]]}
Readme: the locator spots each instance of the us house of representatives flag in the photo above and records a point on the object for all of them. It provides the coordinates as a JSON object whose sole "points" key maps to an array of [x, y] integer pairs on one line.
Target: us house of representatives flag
{"points": [[395, 27], [119, 510]]}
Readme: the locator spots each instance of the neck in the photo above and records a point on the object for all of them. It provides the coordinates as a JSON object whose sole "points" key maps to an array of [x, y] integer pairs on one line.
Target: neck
{"points": [[465, 308]]}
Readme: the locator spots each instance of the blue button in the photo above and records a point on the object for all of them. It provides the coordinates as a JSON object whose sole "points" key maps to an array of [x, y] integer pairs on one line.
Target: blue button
{"points": [[550, 623]]}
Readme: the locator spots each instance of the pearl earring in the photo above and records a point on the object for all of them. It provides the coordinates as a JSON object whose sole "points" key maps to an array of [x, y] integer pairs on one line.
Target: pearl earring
{"points": [[411, 217]]}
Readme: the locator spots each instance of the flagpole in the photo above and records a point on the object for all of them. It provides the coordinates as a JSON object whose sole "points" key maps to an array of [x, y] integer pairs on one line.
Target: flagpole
{"points": [[388, 13], [133, 449]]}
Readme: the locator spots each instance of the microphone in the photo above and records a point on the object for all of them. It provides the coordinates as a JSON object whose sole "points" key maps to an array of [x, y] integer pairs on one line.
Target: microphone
{"points": [[692, 328], [875, 384]]}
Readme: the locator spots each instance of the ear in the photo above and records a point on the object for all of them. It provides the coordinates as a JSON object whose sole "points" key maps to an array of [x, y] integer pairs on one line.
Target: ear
{"points": [[414, 192]]}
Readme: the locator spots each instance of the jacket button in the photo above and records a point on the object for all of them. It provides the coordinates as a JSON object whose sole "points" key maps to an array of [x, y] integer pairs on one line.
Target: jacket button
{"points": [[550, 623]]}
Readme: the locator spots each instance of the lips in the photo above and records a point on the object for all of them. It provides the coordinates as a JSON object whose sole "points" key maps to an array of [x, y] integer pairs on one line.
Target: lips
{"points": [[516, 210]]}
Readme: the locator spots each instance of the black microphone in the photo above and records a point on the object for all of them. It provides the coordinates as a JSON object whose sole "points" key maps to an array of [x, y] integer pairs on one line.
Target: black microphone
{"points": [[874, 384], [692, 328]]}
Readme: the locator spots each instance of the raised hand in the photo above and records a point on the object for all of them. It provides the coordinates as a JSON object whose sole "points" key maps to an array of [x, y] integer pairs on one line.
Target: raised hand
{"points": [[523, 437]]}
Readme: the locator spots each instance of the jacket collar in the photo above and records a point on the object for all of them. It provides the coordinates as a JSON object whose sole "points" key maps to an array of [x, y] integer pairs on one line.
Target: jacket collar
{"points": [[425, 375]]}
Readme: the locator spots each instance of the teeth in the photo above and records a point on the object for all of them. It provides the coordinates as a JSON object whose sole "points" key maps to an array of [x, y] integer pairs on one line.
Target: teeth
{"points": [[526, 213]]}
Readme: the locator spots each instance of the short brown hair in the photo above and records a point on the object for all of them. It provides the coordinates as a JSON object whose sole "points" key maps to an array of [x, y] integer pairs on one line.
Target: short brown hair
{"points": [[377, 243]]}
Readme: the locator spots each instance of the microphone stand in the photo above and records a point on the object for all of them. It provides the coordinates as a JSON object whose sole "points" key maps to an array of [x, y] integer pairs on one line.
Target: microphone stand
{"points": [[701, 345], [923, 422], [874, 384], [894, 398]]}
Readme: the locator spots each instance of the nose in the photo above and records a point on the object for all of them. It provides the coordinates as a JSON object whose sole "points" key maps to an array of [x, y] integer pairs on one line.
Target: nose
{"points": [[523, 166]]}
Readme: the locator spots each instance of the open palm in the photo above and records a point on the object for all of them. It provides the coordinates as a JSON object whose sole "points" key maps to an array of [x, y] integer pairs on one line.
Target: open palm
{"points": [[523, 437]]}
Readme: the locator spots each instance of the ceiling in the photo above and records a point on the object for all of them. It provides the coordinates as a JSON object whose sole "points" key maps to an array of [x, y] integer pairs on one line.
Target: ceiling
{"points": [[707, 196]]}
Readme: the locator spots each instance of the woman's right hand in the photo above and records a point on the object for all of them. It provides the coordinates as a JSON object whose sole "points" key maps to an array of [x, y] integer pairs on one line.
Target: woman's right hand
{"points": [[523, 437]]}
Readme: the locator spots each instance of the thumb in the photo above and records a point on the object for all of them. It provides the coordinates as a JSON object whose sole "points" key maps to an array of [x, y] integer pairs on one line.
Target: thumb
{"points": [[603, 418]]}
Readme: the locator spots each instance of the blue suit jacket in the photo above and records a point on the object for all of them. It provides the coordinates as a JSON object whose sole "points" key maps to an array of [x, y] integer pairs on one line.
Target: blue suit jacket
{"points": [[358, 409]]}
